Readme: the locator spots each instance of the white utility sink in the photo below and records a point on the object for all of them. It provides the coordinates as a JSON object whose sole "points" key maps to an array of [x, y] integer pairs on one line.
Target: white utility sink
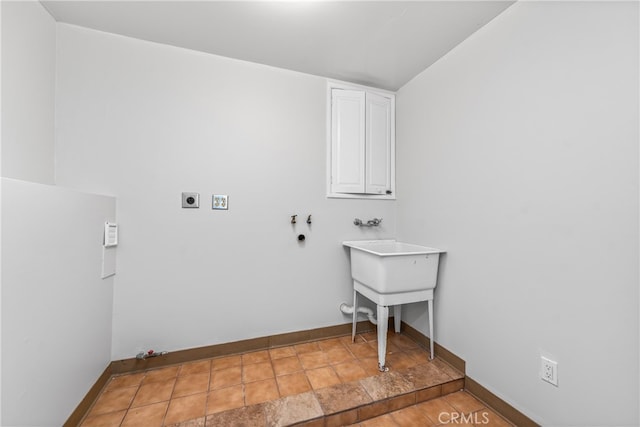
{"points": [[387, 266], [392, 273]]}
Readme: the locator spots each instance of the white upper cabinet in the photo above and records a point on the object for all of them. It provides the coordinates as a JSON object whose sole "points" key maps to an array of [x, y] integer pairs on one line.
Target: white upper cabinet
{"points": [[362, 144], [378, 145], [348, 141]]}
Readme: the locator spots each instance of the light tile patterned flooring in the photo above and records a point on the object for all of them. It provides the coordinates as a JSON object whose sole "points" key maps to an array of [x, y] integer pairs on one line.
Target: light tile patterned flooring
{"points": [[323, 373]]}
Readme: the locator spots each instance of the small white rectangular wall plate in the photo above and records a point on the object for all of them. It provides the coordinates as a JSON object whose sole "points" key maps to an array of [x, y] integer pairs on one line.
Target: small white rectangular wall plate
{"points": [[549, 370], [220, 201]]}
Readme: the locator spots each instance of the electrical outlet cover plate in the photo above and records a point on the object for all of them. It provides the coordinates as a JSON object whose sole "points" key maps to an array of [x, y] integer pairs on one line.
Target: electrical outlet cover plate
{"points": [[190, 200], [220, 201], [549, 370]]}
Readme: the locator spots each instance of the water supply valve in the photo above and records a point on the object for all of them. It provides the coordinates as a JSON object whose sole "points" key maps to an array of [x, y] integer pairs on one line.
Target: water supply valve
{"points": [[151, 353]]}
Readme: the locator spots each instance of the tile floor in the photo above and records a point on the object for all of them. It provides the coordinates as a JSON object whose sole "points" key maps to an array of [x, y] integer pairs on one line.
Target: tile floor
{"points": [[458, 409], [282, 386]]}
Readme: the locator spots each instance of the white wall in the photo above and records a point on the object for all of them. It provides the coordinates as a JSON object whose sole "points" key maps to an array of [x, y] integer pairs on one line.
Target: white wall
{"points": [[518, 153], [56, 310], [0, 218], [146, 122], [28, 78], [27, 105]]}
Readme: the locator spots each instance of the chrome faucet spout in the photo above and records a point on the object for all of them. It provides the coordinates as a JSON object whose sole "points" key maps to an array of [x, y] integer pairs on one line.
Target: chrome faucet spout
{"points": [[375, 222]]}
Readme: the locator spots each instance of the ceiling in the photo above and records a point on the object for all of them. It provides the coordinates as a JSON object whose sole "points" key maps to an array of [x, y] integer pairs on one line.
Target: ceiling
{"points": [[376, 43]]}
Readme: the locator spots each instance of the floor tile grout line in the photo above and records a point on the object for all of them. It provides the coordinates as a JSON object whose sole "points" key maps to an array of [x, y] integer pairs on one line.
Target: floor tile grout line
{"points": [[166, 412]]}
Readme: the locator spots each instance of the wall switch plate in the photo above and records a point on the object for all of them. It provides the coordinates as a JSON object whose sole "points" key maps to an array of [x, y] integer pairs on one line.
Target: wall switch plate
{"points": [[110, 234], [549, 370], [220, 201], [190, 200]]}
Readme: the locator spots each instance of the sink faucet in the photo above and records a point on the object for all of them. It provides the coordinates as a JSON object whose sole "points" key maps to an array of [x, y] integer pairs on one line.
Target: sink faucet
{"points": [[371, 223]]}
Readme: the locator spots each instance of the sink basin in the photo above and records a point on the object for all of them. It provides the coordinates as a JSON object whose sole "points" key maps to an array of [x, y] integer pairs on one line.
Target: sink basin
{"points": [[392, 273], [390, 267]]}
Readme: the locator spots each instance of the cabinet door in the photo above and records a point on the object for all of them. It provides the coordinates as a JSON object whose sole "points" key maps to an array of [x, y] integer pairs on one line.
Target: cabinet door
{"points": [[378, 144], [347, 141]]}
